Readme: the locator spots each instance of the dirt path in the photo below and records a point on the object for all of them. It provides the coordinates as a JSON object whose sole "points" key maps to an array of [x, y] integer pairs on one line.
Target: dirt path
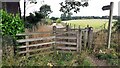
{"points": [[0, 56], [97, 62]]}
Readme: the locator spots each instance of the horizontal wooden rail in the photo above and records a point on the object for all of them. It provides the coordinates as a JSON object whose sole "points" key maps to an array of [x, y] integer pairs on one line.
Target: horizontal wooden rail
{"points": [[24, 34], [35, 39], [36, 45], [62, 28], [64, 51], [35, 50], [77, 29], [66, 48], [69, 43], [66, 32], [64, 37]]}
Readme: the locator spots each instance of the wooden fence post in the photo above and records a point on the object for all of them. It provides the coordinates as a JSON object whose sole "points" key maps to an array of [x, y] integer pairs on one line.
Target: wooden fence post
{"points": [[104, 26], [80, 39], [66, 24], [90, 36], [67, 29], [54, 33], [85, 37], [70, 25], [27, 43], [74, 27]]}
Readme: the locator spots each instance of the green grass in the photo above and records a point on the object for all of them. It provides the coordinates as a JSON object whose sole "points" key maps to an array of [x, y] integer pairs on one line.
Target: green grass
{"points": [[95, 23], [86, 62], [0, 65], [55, 59]]}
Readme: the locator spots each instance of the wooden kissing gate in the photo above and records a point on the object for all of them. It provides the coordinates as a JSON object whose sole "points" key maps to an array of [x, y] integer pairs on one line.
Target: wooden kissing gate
{"points": [[64, 39]]}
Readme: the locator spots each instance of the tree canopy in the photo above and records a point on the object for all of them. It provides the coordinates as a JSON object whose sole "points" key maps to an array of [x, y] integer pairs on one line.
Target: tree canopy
{"points": [[34, 18], [37, 16], [68, 6], [45, 10]]}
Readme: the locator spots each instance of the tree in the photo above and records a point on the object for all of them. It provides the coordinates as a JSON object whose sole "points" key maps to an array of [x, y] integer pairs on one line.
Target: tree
{"points": [[53, 19], [26, 3], [63, 16], [37, 16], [33, 1], [69, 16], [34, 18], [68, 6], [45, 9]]}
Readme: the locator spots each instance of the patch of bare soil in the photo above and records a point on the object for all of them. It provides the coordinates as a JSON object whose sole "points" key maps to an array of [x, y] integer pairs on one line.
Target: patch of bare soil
{"points": [[96, 62], [0, 55]]}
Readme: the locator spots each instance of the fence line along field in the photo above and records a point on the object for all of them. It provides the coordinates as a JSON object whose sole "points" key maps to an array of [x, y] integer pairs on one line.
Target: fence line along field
{"points": [[95, 23]]}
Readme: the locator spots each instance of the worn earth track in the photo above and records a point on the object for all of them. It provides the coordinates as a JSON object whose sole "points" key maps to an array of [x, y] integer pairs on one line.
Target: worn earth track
{"points": [[0, 55], [97, 62]]}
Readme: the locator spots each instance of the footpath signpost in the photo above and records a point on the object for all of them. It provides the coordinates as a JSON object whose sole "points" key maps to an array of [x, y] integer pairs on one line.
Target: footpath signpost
{"points": [[109, 7]]}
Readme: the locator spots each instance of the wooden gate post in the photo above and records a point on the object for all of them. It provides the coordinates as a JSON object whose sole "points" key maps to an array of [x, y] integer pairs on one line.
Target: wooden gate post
{"points": [[85, 37], [80, 38], [67, 29], [54, 33], [27, 43], [74, 27], [90, 36], [78, 43]]}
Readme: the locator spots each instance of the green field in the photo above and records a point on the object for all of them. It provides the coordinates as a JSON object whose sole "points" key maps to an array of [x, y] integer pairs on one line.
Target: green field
{"points": [[95, 23]]}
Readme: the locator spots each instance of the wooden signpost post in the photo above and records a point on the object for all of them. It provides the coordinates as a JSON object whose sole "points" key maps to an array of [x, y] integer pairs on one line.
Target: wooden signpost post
{"points": [[109, 7]]}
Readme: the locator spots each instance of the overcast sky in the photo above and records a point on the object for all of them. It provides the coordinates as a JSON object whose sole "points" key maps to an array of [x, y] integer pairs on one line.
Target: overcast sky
{"points": [[94, 8]]}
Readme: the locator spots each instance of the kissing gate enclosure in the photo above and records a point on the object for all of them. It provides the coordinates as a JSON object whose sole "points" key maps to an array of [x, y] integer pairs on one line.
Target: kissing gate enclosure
{"points": [[64, 39]]}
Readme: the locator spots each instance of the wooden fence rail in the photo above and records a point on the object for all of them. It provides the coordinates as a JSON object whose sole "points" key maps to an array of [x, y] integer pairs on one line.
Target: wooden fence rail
{"points": [[62, 39]]}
